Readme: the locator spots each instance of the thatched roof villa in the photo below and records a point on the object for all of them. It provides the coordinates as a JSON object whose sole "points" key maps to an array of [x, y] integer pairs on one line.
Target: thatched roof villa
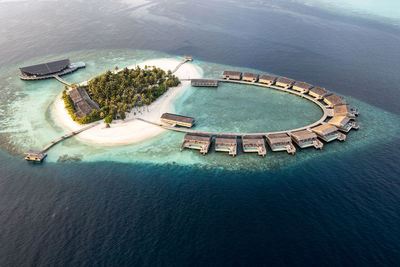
{"points": [[344, 123], [250, 77], [267, 79], [318, 92], [328, 133], [84, 105], [302, 87], [232, 75], [175, 119], [333, 100], [198, 142], [344, 110], [306, 138], [284, 82], [226, 144], [281, 142], [254, 143]]}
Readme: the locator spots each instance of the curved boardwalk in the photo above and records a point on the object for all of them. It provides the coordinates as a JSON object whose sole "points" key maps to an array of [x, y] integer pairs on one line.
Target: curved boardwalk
{"points": [[324, 109]]}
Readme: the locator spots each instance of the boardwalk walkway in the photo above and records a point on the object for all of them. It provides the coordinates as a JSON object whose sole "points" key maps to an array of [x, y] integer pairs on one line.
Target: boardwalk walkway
{"points": [[179, 65], [61, 80], [324, 109]]}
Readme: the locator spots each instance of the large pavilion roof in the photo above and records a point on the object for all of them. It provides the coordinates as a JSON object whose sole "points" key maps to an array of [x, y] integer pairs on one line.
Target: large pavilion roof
{"points": [[46, 68]]}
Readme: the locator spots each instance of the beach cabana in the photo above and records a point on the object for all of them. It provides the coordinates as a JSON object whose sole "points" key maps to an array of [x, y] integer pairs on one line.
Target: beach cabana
{"points": [[232, 75], [306, 138], [302, 87], [281, 142], [344, 123], [175, 119], [84, 105], [318, 92], [250, 77], [226, 144], [333, 100], [267, 79], [254, 144], [284, 82], [328, 133], [198, 142]]}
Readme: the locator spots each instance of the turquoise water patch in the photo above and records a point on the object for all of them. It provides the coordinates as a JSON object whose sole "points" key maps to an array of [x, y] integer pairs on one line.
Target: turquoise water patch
{"points": [[27, 122]]}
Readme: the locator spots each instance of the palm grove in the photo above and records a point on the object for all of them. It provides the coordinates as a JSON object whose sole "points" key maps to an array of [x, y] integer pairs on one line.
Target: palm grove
{"points": [[120, 92]]}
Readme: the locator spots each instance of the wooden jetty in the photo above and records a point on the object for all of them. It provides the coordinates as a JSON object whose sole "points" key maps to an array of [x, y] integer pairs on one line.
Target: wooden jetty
{"points": [[186, 58], [281, 142], [175, 119], [254, 144], [306, 138], [204, 83], [197, 141], [226, 144], [328, 133]]}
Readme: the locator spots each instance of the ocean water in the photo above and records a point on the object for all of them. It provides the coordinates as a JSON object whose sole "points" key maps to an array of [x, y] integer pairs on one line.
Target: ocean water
{"points": [[148, 204]]}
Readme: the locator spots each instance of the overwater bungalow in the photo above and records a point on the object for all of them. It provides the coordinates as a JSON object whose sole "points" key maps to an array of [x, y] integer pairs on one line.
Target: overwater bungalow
{"points": [[37, 156], [175, 119], [344, 123], [345, 110], [267, 79], [319, 92], [328, 133], [302, 87], [306, 138], [254, 144], [232, 75], [281, 142], [284, 82], [198, 142], [84, 105], [250, 77], [226, 144], [333, 100], [204, 83], [188, 58], [49, 69]]}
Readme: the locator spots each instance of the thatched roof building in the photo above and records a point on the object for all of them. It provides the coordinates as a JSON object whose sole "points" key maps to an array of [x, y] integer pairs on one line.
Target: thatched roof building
{"points": [[344, 123], [344, 110], [302, 87], [226, 144], [306, 138], [232, 75], [267, 79], [281, 142], [318, 92], [333, 100], [254, 143], [198, 142], [328, 133], [250, 76], [284, 82], [44, 69], [204, 83], [176, 119], [84, 105]]}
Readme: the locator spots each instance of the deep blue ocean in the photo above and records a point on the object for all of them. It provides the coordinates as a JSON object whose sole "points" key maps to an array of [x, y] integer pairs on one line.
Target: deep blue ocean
{"points": [[340, 209]]}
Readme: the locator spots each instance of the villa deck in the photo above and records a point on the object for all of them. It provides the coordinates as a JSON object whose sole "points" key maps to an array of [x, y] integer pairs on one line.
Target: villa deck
{"points": [[198, 142], [306, 138], [281, 142], [328, 133], [226, 144], [254, 144]]}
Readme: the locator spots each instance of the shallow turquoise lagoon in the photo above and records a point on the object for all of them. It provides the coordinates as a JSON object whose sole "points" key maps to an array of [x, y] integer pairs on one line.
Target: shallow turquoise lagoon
{"points": [[27, 121]]}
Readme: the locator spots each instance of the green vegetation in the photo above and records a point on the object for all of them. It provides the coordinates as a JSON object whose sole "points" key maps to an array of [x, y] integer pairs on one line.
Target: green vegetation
{"points": [[117, 93], [69, 105]]}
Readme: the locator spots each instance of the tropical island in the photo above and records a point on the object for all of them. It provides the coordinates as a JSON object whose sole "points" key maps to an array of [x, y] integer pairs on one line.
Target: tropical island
{"points": [[111, 95]]}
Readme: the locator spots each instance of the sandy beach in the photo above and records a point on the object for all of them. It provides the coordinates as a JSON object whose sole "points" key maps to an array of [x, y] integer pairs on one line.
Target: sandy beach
{"points": [[131, 130]]}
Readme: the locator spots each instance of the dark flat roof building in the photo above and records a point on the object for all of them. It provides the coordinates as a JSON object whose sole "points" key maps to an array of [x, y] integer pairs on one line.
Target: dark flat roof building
{"points": [[84, 105], [46, 68]]}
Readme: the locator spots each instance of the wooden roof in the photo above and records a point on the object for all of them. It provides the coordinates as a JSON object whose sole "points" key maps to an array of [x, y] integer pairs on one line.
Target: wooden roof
{"points": [[285, 80], [197, 137], [325, 129], [176, 117], [252, 139], [339, 121], [84, 105], [279, 138], [267, 77], [250, 75], [46, 68], [334, 99], [303, 85], [341, 109], [304, 135], [227, 140], [232, 73], [320, 91]]}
